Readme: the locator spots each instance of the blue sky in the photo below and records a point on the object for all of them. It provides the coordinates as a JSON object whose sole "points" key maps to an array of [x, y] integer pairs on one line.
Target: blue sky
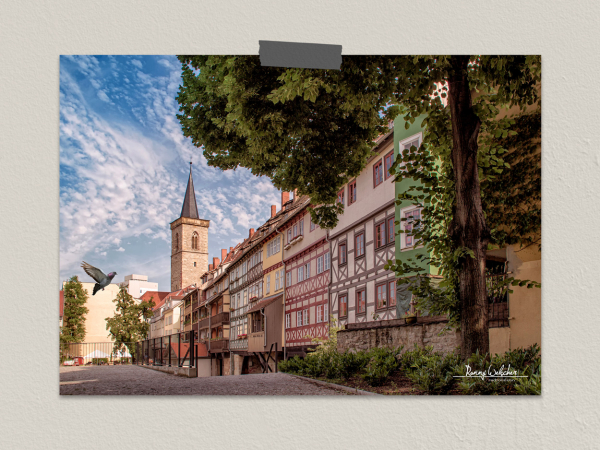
{"points": [[124, 164]]}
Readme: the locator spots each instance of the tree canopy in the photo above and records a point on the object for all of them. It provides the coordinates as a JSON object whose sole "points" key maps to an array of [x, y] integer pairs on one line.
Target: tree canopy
{"points": [[129, 325], [314, 129], [75, 298]]}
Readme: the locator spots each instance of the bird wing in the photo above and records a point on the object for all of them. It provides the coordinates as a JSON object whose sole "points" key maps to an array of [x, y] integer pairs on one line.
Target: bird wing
{"points": [[93, 272]]}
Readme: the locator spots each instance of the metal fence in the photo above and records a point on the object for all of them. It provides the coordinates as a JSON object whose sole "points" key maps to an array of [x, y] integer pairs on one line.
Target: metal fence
{"points": [[174, 350], [497, 293], [97, 353]]}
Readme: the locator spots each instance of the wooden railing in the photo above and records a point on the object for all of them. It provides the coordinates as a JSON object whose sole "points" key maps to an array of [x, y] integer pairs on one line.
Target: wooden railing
{"points": [[218, 319], [219, 345], [203, 323]]}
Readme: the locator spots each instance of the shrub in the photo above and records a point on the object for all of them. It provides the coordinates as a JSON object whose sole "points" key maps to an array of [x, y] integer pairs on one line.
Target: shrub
{"points": [[292, 365], [524, 361], [352, 363], [414, 357], [382, 363], [434, 373], [530, 386], [99, 360]]}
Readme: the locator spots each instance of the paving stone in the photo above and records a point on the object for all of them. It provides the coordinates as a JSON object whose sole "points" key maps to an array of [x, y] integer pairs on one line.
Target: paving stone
{"points": [[135, 380]]}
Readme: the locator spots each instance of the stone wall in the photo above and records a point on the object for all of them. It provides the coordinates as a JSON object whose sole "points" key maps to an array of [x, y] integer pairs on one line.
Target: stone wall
{"points": [[422, 334], [183, 272]]}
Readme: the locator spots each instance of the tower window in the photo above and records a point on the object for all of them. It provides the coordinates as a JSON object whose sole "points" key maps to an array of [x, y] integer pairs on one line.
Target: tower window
{"points": [[195, 241], [176, 242], [194, 263]]}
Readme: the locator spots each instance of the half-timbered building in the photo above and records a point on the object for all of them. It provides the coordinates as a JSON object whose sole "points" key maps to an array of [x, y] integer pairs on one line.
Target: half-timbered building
{"points": [[265, 315], [307, 264], [363, 241], [245, 286]]}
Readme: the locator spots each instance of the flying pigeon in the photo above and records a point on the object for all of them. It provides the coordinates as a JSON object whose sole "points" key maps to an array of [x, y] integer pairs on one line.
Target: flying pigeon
{"points": [[101, 280]]}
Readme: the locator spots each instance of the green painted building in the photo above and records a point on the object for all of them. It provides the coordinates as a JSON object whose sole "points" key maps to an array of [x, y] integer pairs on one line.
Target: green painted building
{"points": [[405, 245]]}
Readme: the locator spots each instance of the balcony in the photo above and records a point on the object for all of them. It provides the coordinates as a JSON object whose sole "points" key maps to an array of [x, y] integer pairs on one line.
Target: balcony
{"points": [[256, 342], [203, 323], [219, 345], [218, 319]]}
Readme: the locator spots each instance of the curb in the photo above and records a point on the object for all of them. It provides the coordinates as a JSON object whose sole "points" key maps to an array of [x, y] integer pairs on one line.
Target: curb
{"points": [[335, 386]]}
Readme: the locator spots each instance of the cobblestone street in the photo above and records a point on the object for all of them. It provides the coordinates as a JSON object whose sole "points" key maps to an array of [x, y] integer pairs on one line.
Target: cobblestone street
{"points": [[134, 380]]}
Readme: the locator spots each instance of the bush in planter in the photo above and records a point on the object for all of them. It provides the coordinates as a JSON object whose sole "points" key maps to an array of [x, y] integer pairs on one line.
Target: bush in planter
{"points": [[435, 373]]}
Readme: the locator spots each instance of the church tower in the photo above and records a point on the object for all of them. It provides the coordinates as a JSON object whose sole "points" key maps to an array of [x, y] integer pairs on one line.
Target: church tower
{"points": [[189, 243]]}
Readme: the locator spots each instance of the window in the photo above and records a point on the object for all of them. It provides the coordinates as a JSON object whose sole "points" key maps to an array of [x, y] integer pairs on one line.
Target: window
{"points": [[295, 229], [268, 284], [312, 225], [194, 263], [326, 312], [340, 198], [343, 305], [277, 280], [195, 241], [288, 279], [380, 235], [301, 226], [381, 295], [288, 321], [352, 192], [319, 265], [320, 314], [273, 247], [342, 253], [412, 215], [377, 173], [391, 229], [306, 317], [360, 302], [176, 242], [289, 235], [326, 261], [388, 161], [298, 318], [392, 292], [307, 271], [359, 241]]}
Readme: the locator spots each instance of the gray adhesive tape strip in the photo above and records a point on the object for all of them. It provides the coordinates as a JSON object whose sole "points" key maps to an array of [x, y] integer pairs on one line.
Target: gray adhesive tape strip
{"points": [[300, 55]]}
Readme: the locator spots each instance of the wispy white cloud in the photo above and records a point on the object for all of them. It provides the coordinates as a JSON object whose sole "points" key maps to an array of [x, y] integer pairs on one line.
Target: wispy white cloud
{"points": [[102, 96], [124, 179]]}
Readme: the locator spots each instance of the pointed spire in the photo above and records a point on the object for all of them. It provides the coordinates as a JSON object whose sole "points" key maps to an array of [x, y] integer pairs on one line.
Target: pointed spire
{"points": [[190, 209]]}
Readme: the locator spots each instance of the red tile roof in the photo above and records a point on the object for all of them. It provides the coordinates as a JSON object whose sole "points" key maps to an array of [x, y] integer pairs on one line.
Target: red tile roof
{"points": [[158, 299]]}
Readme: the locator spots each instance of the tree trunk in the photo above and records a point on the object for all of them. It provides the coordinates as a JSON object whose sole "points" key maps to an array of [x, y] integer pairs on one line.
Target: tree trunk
{"points": [[468, 228]]}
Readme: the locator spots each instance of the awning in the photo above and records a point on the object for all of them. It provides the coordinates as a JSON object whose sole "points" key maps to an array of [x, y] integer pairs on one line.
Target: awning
{"points": [[265, 302]]}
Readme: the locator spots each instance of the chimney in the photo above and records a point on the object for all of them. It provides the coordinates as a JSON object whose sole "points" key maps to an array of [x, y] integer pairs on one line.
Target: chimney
{"points": [[230, 249], [273, 210], [210, 267], [285, 196], [215, 262], [223, 254], [295, 195], [250, 232]]}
